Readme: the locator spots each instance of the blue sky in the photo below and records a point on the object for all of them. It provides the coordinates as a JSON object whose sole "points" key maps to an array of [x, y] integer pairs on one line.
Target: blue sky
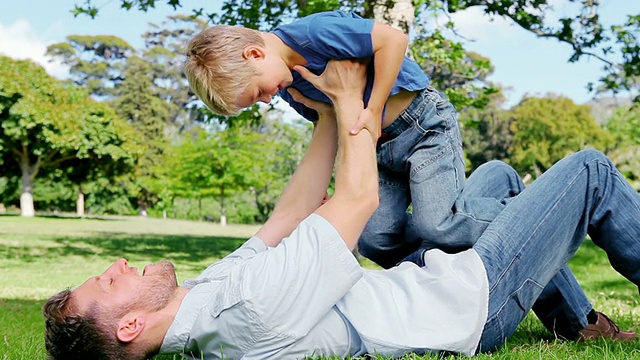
{"points": [[523, 63]]}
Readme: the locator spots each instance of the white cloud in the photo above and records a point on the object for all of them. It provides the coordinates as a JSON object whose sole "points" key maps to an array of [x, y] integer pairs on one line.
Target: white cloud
{"points": [[20, 41], [475, 25]]}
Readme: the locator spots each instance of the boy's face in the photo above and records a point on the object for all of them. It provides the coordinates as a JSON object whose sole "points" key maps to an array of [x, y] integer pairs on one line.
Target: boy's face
{"points": [[272, 74]]}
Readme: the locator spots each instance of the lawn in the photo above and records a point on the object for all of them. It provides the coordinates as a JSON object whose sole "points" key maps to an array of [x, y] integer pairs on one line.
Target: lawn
{"points": [[43, 255]]}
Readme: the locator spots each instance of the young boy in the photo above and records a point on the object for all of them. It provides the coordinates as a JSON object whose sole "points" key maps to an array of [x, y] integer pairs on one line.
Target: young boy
{"points": [[420, 153]]}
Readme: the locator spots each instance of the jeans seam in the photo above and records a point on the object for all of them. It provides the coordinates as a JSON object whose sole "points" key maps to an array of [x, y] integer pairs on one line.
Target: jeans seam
{"points": [[473, 217], [586, 309], [448, 148]]}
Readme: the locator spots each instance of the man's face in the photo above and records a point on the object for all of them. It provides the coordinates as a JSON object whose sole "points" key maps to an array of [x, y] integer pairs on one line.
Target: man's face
{"points": [[123, 287], [272, 74]]}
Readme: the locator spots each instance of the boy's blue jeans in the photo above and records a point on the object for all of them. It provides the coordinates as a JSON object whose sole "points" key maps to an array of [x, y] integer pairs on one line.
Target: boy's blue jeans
{"points": [[539, 231], [420, 161]]}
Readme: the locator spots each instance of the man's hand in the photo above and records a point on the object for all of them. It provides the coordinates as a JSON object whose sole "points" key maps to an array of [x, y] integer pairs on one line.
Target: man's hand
{"points": [[324, 109], [342, 80], [370, 120]]}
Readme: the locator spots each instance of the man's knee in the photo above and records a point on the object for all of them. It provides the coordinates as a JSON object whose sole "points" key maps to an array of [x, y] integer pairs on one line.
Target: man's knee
{"points": [[494, 167], [585, 156], [591, 154]]}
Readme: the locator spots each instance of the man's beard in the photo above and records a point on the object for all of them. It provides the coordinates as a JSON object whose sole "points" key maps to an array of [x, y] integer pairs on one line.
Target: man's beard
{"points": [[156, 293], [152, 294]]}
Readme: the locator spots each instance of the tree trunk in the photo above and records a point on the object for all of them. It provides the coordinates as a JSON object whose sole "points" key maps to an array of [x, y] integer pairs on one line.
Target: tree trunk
{"points": [[400, 14], [142, 206], [28, 175], [200, 208], [223, 210], [80, 201], [175, 208], [26, 204]]}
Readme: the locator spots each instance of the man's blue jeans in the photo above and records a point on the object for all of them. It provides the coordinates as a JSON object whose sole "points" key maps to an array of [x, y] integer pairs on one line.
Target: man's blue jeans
{"points": [[532, 239], [421, 162], [562, 306]]}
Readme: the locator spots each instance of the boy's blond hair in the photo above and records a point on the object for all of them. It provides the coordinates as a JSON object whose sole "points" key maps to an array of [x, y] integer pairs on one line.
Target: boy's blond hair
{"points": [[216, 69]]}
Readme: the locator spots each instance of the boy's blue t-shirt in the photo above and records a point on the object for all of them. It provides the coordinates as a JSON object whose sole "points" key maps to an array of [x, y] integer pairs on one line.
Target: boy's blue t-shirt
{"points": [[337, 35]]}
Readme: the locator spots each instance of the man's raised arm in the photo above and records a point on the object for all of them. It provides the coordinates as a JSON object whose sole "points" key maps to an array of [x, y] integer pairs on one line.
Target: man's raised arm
{"points": [[356, 194]]}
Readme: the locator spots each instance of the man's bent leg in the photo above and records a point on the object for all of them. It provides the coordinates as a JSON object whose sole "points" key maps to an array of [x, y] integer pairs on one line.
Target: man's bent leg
{"points": [[581, 193], [562, 306]]}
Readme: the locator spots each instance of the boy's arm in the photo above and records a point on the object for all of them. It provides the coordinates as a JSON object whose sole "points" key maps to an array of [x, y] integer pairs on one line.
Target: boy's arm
{"points": [[389, 48], [308, 185]]}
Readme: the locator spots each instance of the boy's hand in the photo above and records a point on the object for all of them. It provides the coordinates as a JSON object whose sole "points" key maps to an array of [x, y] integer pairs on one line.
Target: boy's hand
{"points": [[370, 120]]}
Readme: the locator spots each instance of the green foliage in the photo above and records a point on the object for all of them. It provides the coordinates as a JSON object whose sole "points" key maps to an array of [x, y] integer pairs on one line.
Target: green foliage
{"points": [[460, 74], [617, 46], [550, 128], [46, 124], [140, 105], [54, 195], [9, 189], [95, 62], [285, 146], [216, 164], [624, 124], [165, 46], [486, 133]]}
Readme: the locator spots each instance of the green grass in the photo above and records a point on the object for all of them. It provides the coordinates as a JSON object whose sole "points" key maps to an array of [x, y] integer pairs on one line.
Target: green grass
{"points": [[43, 255]]}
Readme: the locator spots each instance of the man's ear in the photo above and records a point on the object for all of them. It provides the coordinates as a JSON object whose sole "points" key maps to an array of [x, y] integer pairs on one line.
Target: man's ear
{"points": [[253, 52], [130, 326]]}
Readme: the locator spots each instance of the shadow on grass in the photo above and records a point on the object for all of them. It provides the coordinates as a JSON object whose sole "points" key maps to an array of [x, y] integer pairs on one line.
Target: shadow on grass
{"points": [[10, 215], [76, 217], [176, 247], [70, 216]]}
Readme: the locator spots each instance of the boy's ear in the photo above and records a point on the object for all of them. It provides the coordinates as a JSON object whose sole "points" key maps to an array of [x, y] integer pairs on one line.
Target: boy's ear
{"points": [[253, 52], [130, 326]]}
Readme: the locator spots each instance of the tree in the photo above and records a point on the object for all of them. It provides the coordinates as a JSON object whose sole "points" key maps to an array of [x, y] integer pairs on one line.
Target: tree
{"points": [[548, 129], [217, 164], [460, 74], [165, 46], [624, 124], [45, 123], [95, 62], [486, 132], [617, 46], [284, 146], [106, 161], [468, 69], [140, 105]]}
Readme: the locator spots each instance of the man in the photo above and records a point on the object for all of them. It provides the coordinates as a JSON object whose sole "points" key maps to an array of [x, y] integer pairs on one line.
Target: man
{"points": [[294, 290]]}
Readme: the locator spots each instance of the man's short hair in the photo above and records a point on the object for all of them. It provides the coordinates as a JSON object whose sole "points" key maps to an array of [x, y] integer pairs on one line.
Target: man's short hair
{"points": [[216, 69], [71, 335]]}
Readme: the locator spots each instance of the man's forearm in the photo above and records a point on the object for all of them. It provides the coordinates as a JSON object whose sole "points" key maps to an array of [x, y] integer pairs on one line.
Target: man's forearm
{"points": [[306, 188], [356, 193]]}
